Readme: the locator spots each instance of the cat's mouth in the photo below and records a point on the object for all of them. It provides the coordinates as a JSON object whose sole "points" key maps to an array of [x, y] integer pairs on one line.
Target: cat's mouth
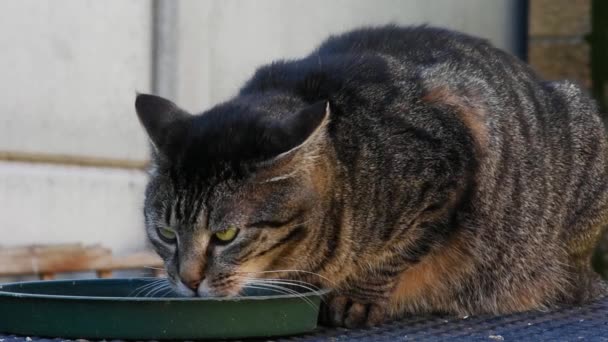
{"points": [[209, 288], [234, 286], [224, 288]]}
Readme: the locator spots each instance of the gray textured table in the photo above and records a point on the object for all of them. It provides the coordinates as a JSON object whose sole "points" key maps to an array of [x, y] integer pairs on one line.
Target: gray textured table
{"points": [[587, 323]]}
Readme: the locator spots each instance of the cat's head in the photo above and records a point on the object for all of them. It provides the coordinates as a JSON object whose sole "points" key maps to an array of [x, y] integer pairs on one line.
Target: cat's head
{"points": [[236, 193]]}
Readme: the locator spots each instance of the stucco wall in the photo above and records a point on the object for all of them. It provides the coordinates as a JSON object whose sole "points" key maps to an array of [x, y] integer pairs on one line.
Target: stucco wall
{"points": [[221, 42], [70, 70]]}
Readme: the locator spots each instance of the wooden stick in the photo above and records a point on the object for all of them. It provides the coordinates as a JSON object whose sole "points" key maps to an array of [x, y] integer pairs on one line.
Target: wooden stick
{"points": [[47, 276], [70, 258], [104, 273]]}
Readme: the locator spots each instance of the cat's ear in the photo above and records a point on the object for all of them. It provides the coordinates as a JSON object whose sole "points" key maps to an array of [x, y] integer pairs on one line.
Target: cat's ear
{"points": [[302, 132], [307, 127], [162, 119]]}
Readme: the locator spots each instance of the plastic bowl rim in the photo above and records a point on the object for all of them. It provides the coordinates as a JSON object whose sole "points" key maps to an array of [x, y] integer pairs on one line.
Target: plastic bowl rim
{"points": [[13, 294]]}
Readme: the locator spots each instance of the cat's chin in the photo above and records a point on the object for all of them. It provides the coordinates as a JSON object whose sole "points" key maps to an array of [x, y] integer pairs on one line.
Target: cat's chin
{"points": [[184, 291], [205, 291]]}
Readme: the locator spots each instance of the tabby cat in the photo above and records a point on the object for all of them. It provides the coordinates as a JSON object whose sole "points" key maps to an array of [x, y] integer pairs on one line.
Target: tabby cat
{"points": [[408, 169]]}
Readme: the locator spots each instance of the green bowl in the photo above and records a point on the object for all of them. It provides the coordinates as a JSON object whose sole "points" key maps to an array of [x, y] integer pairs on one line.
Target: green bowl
{"points": [[123, 309]]}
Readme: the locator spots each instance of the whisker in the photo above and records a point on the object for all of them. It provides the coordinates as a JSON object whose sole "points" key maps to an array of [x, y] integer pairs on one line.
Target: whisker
{"points": [[282, 290], [306, 285], [249, 286], [147, 292], [142, 288], [153, 286], [289, 282], [288, 290], [167, 292], [286, 282], [157, 289], [285, 271], [154, 268]]}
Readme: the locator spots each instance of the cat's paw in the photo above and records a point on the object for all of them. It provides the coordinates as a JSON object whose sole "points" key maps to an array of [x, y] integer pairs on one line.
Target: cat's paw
{"points": [[343, 311]]}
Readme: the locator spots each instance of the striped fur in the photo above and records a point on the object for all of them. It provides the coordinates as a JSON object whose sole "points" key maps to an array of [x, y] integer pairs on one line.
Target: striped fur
{"points": [[409, 169]]}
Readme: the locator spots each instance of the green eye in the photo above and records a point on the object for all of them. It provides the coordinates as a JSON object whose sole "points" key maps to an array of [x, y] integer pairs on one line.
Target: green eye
{"points": [[226, 235], [167, 234]]}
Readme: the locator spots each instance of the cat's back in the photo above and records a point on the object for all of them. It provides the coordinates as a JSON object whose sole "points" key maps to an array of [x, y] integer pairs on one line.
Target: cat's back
{"points": [[542, 142], [541, 151], [383, 57], [418, 44]]}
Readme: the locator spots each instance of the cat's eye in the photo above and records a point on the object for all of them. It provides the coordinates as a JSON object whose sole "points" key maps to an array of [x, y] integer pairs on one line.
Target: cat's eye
{"points": [[167, 234], [227, 234]]}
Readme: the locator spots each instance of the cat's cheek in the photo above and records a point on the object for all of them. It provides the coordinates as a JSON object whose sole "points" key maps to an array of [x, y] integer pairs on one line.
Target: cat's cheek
{"points": [[252, 268], [204, 290]]}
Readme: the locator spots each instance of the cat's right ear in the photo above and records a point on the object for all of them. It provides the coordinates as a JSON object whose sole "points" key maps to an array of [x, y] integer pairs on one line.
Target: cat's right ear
{"points": [[163, 120]]}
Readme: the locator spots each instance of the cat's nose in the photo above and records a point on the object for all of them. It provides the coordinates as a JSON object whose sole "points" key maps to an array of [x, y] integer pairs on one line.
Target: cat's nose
{"points": [[193, 283], [192, 271], [192, 278]]}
